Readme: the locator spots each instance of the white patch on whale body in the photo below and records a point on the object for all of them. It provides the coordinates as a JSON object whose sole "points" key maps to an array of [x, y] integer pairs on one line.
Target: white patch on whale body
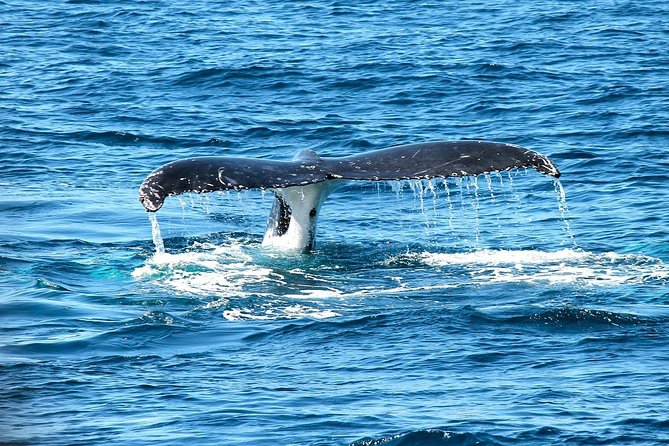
{"points": [[305, 204]]}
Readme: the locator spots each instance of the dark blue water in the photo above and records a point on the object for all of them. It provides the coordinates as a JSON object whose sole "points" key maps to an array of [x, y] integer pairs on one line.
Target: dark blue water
{"points": [[476, 311]]}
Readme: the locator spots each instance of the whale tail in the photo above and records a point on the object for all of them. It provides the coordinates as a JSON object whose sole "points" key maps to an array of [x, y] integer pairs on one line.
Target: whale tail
{"points": [[302, 185]]}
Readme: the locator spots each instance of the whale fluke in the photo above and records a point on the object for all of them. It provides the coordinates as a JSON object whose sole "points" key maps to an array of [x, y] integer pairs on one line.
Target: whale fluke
{"points": [[292, 222], [439, 160]]}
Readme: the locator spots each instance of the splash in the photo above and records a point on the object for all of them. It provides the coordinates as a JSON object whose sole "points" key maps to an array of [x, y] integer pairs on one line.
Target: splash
{"points": [[206, 269], [242, 282], [231, 279]]}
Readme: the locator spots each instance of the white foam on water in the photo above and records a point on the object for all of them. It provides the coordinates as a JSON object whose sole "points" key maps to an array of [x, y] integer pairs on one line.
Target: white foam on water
{"points": [[290, 312], [231, 281], [318, 294], [206, 269], [230, 275], [565, 266], [495, 257]]}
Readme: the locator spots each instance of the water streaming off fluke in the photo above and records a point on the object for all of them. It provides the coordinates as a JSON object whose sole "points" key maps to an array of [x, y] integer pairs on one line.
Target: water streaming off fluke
{"points": [[155, 233]]}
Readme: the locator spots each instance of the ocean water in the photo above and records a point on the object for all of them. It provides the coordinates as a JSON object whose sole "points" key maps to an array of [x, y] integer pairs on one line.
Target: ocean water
{"points": [[505, 309]]}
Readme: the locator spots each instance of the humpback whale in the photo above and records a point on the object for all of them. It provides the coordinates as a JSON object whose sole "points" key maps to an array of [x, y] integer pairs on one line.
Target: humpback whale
{"points": [[301, 186]]}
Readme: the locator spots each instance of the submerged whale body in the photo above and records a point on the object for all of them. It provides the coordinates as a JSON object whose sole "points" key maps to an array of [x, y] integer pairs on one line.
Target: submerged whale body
{"points": [[301, 186]]}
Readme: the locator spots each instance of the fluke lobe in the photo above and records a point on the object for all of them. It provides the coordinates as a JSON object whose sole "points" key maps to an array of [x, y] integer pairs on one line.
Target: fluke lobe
{"points": [[302, 185]]}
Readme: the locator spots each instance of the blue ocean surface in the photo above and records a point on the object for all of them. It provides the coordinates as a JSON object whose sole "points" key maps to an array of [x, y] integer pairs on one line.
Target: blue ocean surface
{"points": [[504, 309]]}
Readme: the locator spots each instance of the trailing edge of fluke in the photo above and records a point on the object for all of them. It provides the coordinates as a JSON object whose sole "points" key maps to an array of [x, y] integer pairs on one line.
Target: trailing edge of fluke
{"points": [[441, 159], [301, 186]]}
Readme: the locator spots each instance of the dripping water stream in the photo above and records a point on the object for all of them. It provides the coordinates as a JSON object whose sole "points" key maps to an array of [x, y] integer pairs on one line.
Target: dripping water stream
{"points": [[564, 210], [155, 233], [463, 208]]}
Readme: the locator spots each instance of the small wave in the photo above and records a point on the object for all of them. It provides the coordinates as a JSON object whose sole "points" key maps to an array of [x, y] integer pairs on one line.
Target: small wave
{"points": [[609, 94], [221, 76], [44, 283], [609, 31], [540, 435], [115, 138], [436, 437], [591, 318]]}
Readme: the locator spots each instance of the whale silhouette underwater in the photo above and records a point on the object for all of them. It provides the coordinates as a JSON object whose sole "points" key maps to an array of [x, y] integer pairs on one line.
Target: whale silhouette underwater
{"points": [[301, 186]]}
